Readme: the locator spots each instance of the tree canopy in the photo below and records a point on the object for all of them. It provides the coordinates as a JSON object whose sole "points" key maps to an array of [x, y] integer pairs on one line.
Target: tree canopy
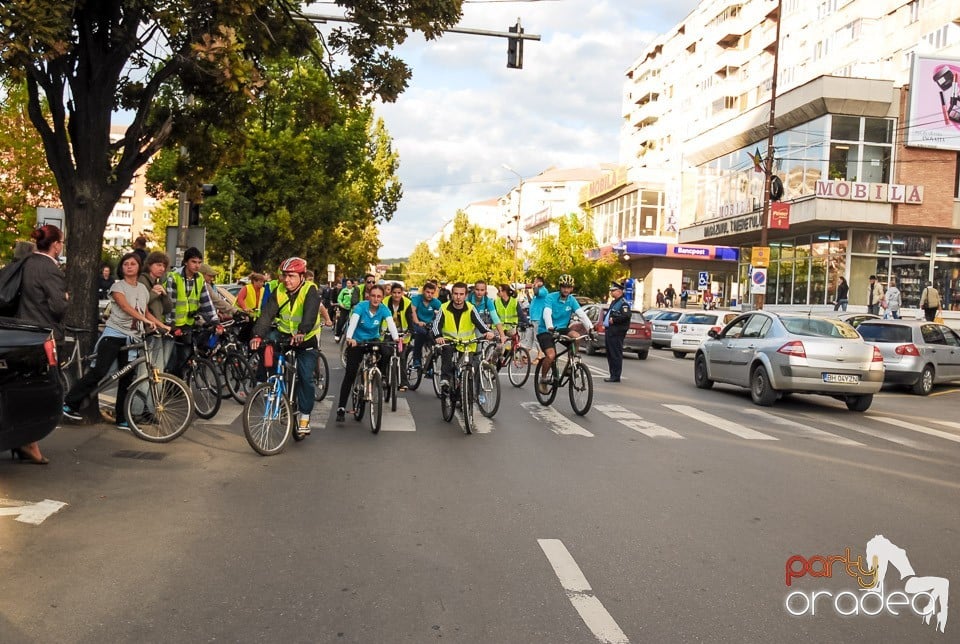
{"points": [[469, 253], [570, 251]]}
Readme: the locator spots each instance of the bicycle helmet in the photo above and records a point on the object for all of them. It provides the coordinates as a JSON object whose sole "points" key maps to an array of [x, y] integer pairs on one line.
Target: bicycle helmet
{"points": [[294, 265], [565, 280]]}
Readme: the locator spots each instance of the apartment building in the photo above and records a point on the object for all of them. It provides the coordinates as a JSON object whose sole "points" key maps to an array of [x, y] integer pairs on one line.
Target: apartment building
{"points": [[870, 174], [130, 217]]}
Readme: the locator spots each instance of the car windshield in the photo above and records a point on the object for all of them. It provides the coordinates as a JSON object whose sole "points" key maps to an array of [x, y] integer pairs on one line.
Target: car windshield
{"points": [[699, 318], [818, 327], [885, 332]]}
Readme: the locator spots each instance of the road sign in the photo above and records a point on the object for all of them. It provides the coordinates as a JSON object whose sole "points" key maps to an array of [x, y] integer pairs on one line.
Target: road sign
{"points": [[760, 256], [331, 269], [758, 281], [704, 280], [32, 513]]}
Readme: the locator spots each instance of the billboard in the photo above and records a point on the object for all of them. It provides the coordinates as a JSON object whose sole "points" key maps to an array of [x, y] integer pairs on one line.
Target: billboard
{"points": [[934, 116]]}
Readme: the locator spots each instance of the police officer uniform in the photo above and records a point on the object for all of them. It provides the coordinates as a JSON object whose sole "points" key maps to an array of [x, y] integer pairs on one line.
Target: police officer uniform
{"points": [[616, 322]]}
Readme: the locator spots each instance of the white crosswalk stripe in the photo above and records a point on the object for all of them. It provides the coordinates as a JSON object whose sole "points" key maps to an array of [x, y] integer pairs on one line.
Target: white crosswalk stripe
{"points": [[554, 420], [636, 422], [400, 420], [875, 433], [806, 430], [721, 423], [229, 413], [896, 422]]}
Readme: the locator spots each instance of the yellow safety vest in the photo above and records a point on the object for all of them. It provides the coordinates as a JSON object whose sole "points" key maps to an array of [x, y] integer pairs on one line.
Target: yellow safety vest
{"points": [[187, 305], [291, 316], [399, 316], [251, 300], [467, 331], [507, 312]]}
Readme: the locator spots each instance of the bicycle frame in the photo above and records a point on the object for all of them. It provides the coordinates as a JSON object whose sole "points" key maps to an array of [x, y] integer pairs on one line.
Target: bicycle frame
{"points": [[278, 380]]}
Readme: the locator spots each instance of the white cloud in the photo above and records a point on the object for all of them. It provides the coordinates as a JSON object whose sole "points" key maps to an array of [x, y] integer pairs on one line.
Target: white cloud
{"points": [[465, 113]]}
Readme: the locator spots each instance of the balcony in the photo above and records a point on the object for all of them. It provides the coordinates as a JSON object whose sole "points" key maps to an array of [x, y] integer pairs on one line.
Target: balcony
{"points": [[646, 114]]}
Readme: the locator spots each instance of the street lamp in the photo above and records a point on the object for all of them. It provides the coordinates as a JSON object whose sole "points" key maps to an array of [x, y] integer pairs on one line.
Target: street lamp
{"points": [[516, 238]]}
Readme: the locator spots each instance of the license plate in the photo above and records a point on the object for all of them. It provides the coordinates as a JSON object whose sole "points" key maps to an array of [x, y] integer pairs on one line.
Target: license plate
{"points": [[691, 341], [842, 378], [631, 332]]}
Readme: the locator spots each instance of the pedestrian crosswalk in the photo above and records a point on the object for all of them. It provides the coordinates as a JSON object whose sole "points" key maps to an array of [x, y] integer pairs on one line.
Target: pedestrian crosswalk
{"points": [[666, 421]]}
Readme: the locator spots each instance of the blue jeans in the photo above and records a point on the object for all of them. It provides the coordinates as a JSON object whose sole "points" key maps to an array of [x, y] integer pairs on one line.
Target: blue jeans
{"points": [[421, 335], [306, 365]]}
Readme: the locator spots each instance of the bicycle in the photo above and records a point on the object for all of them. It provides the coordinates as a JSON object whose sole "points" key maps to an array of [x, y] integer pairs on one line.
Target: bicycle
{"points": [[393, 380], [159, 407], [463, 387], [227, 352], [72, 367], [413, 364], [368, 385], [201, 375], [487, 379], [575, 374], [268, 414], [516, 359]]}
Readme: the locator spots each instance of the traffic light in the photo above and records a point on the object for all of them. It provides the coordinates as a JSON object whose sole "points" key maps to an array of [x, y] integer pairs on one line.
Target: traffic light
{"points": [[206, 190], [193, 219], [515, 48]]}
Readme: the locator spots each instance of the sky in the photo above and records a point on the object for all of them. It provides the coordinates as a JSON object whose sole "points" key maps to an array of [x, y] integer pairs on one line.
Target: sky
{"points": [[465, 114]]}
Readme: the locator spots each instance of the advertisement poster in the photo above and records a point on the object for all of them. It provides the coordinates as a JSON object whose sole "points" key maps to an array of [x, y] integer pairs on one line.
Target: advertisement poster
{"points": [[934, 118]]}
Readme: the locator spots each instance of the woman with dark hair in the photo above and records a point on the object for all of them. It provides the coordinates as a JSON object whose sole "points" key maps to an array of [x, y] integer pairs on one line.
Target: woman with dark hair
{"points": [[124, 326], [43, 301]]}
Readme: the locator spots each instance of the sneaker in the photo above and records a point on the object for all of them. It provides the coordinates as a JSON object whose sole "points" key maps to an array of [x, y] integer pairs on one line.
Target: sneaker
{"points": [[304, 425], [336, 339], [341, 414], [124, 425], [416, 364], [71, 414], [444, 385], [482, 398]]}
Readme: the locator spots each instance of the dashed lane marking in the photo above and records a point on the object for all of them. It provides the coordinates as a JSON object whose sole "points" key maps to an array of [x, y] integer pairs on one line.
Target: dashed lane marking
{"points": [[635, 422], [721, 423]]}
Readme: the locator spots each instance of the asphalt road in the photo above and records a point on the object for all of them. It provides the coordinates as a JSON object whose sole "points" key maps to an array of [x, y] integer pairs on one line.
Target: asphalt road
{"points": [[667, 514]]}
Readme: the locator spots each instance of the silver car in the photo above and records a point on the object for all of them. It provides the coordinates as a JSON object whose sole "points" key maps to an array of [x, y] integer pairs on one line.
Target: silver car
{"points": [[916, 353], [773, 354], [664, 326]]}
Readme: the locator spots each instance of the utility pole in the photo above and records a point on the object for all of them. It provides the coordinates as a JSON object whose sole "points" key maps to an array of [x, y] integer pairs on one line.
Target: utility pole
{"points": [[771, 129], [516, 238]]}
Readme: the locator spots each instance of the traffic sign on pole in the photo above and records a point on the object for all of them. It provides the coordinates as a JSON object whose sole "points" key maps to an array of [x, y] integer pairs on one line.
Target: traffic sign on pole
{"points": [[758, 281], [704, 280]]}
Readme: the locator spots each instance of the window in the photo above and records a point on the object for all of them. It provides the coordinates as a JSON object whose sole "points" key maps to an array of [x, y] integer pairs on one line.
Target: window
{"points": [[913, 9], [757, 327]]}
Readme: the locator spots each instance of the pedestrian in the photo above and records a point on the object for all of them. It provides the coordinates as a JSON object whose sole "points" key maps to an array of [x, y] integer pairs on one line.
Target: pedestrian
{"points": [[616, 322], [684, 296], [843, 295], [669, 294], [159, 304], [660, 299], [929, 301], [892, 300], [874, 295], [707, 300], [140, 248], [104, 282]]}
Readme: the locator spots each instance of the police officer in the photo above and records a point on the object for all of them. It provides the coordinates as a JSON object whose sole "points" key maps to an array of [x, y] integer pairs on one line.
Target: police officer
{"points": [[616, 321]]}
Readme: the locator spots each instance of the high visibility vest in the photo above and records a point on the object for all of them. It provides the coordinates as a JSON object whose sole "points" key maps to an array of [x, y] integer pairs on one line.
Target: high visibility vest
{"points": [[507, 312], [399, 316], [467, 329], [250, 300], [291, 316], [187, 305]]}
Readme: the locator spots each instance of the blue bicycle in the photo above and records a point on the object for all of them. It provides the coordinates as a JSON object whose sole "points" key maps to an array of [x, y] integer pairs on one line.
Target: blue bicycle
{"points": [[268, 414]]}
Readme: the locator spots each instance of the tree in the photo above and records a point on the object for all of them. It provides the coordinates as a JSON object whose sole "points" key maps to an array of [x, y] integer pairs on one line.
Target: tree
{"points": [[25, 179], [422, 265], [468, 254], [179, 66], [569, 251]]}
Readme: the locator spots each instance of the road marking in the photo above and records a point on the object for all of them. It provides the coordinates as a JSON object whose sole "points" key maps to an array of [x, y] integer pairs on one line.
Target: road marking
{"points": [[721, 423], [399, 421], [554, 420], [27, 512], [906, 442], [947, 423], [813, 432], [580, 594], [227, 415], [918, 428], [626, 417], [320, 415]]}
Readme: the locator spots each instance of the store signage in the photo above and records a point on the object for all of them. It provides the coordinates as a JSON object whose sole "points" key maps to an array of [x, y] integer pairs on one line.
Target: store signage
{"points": [[780, 215], [760, 256], [734, 208], [691, 251], [856, 191], [608, 182], [744, 224]]}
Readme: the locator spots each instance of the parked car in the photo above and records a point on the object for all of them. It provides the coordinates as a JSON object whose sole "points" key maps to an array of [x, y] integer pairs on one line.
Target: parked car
{"points": [[856, 319], [663, 327], [31, 397], [637, 339], [916, 353], [691, 330], [773, 354]]}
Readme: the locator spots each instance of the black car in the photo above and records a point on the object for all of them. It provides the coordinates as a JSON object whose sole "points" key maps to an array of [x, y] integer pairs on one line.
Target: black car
{"points": [[31, 396]]}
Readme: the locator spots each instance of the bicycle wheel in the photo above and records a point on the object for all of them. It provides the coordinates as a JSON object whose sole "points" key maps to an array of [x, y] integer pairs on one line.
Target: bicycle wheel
{"points": [[518, 369], [394, 382], [321, 377], [488, 390], [435, 363], [239, 379], [376, 401], [546, 392], [447, 406], [267, 420], [158, 410], [201, 376], [219, 360], [581, 389], [358, 398], [467, 397], [414, 373]]}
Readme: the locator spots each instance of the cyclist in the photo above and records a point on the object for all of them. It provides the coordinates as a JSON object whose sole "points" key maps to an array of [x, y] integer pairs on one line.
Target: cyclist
{"points": [[558, 308], [296, 310], [424, 307], [360, 292], [365, 324], [343, 309], [399, 306], [486, 307], [537, 299], [186, 288], [248, 299], [508, 308], [458, 320]]}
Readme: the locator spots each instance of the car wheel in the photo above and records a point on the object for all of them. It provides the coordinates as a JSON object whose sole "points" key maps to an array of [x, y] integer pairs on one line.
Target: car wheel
{"points": [[679, 354], [700, 377], [591, 349], [924, 384], [642, 355], [859, 403], [760, 390]]}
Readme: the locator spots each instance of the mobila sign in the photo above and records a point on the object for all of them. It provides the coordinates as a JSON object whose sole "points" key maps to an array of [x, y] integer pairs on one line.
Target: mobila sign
{"points": [[856, 191]]}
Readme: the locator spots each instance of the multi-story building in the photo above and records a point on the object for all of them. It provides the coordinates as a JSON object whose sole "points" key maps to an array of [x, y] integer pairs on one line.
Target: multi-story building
{"points": [[131, 215], [869, 169]]}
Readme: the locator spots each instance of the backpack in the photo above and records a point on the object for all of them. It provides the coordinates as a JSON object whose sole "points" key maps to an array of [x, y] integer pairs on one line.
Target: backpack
{"points": [[11, 281]]}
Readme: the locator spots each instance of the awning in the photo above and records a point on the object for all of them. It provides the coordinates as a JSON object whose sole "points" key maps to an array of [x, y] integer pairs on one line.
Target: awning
{"points": [[687, 251]]}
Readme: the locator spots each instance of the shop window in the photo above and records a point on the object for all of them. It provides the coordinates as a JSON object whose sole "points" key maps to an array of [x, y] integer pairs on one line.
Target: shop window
{"points": [[910, 276], [946, 277], [878, 130], [843, 161], [845, 128], [948, 247], [876, 164]]}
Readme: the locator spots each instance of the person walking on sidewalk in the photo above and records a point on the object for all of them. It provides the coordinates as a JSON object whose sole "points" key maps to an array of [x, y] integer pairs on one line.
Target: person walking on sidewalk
{"points": [[874, 295], [930, 302]]}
